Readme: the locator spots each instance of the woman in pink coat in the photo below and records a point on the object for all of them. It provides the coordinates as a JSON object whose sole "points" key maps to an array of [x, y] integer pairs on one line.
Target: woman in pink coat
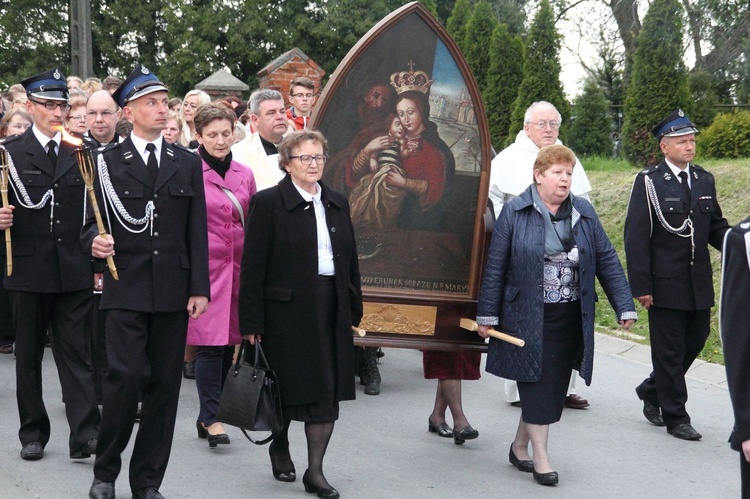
{"points": [[229, 187]]}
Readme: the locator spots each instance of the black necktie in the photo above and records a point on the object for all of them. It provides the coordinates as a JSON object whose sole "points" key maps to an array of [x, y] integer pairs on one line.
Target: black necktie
{"points": [[685, 186], [152, 164], [51, 154]]}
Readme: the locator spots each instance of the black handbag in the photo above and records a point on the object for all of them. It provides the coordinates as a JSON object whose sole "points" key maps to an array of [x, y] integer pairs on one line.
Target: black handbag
{"points": [[251, 399]]}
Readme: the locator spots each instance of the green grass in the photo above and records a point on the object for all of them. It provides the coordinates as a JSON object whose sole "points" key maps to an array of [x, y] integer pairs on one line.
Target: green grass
{"points": [[611, 181]]}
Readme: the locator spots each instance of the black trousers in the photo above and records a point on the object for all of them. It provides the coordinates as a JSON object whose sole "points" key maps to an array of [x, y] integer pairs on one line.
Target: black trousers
{"points": [[145, 353], [745, 475], [69, 314], [677, 338]]}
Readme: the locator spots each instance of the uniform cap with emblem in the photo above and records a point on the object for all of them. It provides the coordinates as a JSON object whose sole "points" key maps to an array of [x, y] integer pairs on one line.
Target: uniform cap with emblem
{"points": [[138, 83], [48, 85], [674, 125]]}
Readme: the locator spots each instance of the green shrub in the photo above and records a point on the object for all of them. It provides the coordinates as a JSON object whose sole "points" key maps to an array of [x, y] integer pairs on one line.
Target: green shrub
{"points": [[727, 137]]}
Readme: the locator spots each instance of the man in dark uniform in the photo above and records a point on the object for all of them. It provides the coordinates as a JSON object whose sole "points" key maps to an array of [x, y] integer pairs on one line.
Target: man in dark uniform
{"points": [[673, 215], [52, 282], [151, 196], [735, 335]]}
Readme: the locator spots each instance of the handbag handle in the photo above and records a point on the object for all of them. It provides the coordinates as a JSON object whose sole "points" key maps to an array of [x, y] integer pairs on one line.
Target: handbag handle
{"points": [[259, 355]]}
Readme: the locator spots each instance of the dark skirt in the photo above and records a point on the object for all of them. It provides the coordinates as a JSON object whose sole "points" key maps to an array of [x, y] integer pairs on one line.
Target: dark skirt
{"points": [[542, 400], [451, 365], [326, 410]]}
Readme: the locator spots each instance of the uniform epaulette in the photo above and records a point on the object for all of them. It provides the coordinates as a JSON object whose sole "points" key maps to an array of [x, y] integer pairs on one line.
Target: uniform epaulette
{"points": [[648, 171], [9, 139], [108, 147], [177, 145], [699, 168]]}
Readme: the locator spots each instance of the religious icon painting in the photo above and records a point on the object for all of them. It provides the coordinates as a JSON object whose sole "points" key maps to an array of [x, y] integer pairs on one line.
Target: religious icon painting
{"points": [[409, 147]]}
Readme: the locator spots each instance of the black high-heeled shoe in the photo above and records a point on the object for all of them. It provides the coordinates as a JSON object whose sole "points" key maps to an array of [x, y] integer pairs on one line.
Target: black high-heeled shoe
{"points": [[215, 440], [202, 432], [526, 466], [282, 475], [467, 433], [442, 429], [550, 478], [311, 488]]}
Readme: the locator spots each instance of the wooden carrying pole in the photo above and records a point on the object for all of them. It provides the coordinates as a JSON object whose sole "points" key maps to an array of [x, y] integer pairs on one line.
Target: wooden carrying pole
{"points": [[358, 331], [472, 326], [86, 165], [4, 191]]}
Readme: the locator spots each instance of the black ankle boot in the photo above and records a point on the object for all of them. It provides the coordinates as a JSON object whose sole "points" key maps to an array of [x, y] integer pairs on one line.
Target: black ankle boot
{"points": [[372, 383]]}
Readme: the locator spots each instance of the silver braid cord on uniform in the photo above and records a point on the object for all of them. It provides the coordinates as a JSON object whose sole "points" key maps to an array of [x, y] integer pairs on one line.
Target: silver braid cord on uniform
{"points": [[22, 195], [688, 223], [118, 209]]}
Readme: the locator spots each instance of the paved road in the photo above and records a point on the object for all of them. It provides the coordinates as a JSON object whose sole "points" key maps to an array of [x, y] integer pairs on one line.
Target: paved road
{"points": [[381, 447]]}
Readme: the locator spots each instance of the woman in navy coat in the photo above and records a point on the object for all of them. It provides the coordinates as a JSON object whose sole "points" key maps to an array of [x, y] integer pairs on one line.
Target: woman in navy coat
{"points": [[538, 284], [300, 294]]}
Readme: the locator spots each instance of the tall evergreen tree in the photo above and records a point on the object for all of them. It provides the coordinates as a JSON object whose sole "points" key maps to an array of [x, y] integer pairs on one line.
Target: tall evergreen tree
{"points": [[479, 31], [590, 129], [503, 79], [541, 71], [659, 82], [512, 13], [457, 22]]}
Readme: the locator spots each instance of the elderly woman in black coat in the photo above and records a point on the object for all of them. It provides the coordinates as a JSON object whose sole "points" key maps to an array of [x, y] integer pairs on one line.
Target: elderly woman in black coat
{"points": [[546, 248], [300, 294]]}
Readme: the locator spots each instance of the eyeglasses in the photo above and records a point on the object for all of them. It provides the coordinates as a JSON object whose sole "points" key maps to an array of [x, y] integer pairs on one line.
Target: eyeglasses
{"points": [[306, 159], [541, 125], [50, 105], [77, 118], [104, 114], [299, 96]]}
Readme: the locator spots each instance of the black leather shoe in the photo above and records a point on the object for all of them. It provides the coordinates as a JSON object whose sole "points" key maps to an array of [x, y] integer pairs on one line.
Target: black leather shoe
{"points": [[86, 451], [442, 429], [282, 475], [550, 478], [467, 433], [147, 493], [684, 431], [32, 451], [188, 370], [522, 465], [653, 414], [311, 488], [215, 440], [102, 490]]}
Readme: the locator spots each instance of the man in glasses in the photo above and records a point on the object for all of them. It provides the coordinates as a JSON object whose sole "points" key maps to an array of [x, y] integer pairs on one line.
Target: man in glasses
{"points": [[102, 115], [52, 281], [302, 99], [510, 175]]}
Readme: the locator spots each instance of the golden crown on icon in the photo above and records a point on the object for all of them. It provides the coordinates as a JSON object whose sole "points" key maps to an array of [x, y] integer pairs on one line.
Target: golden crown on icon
{"points": [[406, 81]]}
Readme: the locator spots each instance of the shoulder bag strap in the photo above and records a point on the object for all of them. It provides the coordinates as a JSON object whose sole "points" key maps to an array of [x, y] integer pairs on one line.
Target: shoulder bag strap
{"points": [[236, 204]]}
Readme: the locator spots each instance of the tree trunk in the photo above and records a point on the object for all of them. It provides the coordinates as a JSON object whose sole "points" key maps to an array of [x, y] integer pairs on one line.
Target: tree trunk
{"points": [[694, 24], [628, 23]]}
